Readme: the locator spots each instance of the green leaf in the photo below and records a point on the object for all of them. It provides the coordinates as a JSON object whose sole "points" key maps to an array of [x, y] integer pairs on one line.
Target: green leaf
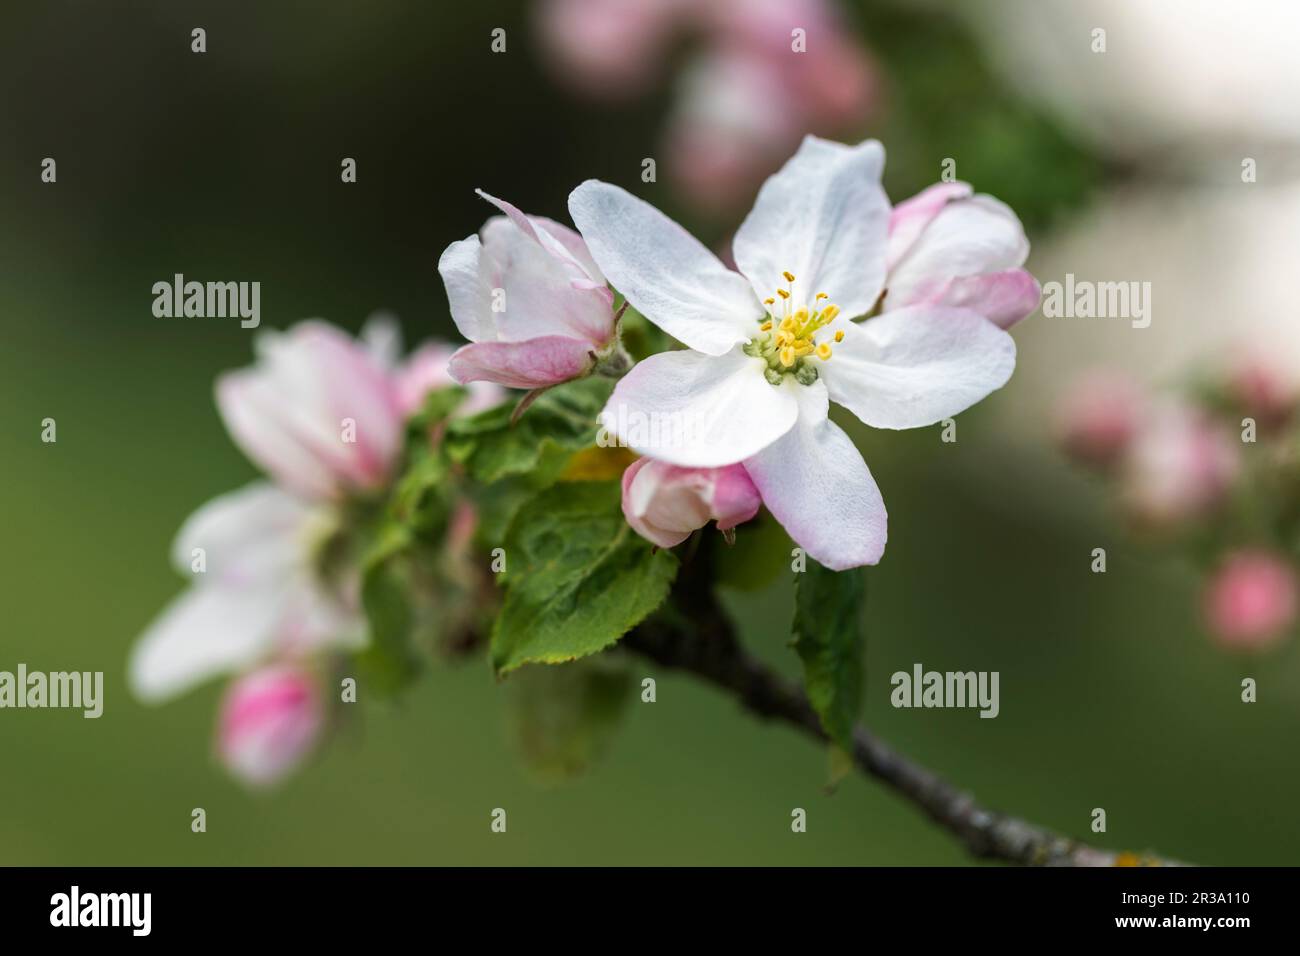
{"points": [[564, 718], [828, 637], [563, 418], [422, 500], [578, 578]]}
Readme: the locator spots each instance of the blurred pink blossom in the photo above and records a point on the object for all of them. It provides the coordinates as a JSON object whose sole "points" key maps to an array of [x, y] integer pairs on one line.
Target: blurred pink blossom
{"points": [[1099, 417], [290, 411], [664, 503], [1180, 466], [323, 413], [745, 97], [269, 722], [1263, 390], [611, 48], [1250, 601], [255, 593]]}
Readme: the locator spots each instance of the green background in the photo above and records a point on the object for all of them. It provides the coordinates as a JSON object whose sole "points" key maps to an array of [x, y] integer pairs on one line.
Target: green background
{"points": [[226, 166]]}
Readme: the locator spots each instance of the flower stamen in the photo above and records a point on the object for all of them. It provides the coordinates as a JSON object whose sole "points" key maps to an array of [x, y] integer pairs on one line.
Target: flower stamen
{"points": [[787, 341]]}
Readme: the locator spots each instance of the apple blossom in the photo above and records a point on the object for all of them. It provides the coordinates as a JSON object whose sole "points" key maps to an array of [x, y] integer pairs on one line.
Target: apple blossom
{"points": [[1251, 600], [270, 720], [1180, 466], [745, 95], [528, 296], [949, 247], [610, 48], [770, 346], [1262, 389], [252, 555], [317, 412], [664, 503], [1099, 418]]}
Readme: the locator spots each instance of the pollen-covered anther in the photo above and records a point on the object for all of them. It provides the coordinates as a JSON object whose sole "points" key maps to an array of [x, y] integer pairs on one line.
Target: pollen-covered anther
{"points": [[788, 336]]}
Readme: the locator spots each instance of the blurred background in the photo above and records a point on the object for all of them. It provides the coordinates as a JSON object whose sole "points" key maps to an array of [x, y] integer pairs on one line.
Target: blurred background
{"points": [[1123, 165]]}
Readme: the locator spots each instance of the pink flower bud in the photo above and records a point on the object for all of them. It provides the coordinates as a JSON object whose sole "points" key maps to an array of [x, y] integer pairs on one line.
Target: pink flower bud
{"points": [[1251, 600], [1098, 418], [664, 503], [1263, 391], [530, 299], [270, 719], [1180, 467]]}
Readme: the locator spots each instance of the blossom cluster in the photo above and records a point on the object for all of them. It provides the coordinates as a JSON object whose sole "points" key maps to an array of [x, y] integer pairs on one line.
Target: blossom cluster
{"points": [[897, 313], [275, 582], [1211, 471]]}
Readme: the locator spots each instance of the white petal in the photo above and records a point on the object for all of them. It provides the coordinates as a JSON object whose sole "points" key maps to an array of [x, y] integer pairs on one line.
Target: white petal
{"points": [[968, 237], [916, 366], [671, 278], [825, 218], [204, 632], [542, 290], [814, 481], [471, 310], [561, 241], [698, 410], [257, 535]]}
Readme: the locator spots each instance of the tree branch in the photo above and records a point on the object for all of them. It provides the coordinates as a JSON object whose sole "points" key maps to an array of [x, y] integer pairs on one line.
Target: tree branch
{"points": [[697, 636]]}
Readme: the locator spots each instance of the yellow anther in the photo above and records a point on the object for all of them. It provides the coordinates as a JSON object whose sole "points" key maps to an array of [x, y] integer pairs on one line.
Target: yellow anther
{"points": [[767, 327], [788, 277], [822, 295], [839, 336], [829, 313], [824, 352], [782, 337], [787, 323], [769, 301], [802, 347], [801, 314], [782, 293], [787, 356]]}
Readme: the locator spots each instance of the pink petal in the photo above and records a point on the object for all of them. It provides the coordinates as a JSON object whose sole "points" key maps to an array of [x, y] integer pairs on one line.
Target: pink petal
{"points": [[535, 363], [665, 503], [1004, 298], [270, 720], [911, 216]]}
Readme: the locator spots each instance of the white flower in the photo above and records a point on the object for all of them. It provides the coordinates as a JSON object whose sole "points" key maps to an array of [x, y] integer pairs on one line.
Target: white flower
{"points": [[771, 346], [256, 593]]}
